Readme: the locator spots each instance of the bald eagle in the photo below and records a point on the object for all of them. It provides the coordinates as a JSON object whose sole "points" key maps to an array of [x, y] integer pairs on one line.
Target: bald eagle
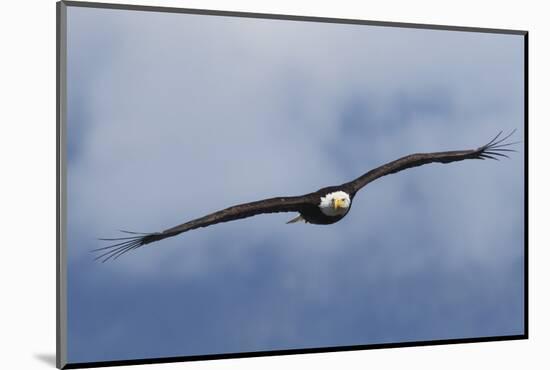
{"points": [[322, 207]]}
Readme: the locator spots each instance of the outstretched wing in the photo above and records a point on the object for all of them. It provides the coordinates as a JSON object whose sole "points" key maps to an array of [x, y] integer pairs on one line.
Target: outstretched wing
{"points": [[492, 150], [272, 205]]}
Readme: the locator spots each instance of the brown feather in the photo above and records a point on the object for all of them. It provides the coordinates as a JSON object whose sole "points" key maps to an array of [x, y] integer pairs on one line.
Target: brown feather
{"points": [[307, 205]]}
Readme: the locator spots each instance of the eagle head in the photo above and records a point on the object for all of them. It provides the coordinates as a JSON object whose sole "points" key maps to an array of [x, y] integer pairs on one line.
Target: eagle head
{"points": [[335, 204]]}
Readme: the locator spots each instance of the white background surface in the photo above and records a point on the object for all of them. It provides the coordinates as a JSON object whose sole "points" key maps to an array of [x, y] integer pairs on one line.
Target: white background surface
{"points": [[28, 183]]}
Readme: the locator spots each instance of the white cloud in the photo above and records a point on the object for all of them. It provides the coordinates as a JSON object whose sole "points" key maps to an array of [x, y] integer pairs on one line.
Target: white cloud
{"points": [[191, 114]]}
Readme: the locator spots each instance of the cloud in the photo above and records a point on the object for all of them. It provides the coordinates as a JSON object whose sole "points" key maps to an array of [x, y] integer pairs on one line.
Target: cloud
{"points": [[173, 116]]}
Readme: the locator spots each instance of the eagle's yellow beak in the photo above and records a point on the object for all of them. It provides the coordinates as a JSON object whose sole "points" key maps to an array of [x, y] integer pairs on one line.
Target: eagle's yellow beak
{"points": [[339, 203]]}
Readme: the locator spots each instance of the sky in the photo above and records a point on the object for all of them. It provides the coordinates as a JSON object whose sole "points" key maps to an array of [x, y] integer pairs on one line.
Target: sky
{"points": [[173, 116]]}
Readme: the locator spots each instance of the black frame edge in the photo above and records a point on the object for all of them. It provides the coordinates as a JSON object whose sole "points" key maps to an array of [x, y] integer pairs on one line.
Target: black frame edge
{"points": [[227, 13], [289, 352], [526, 185], [60, 260]]}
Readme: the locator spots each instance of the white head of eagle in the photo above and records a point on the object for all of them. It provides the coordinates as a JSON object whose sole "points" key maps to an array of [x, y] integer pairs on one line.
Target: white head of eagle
{"points": [[335, 204]]}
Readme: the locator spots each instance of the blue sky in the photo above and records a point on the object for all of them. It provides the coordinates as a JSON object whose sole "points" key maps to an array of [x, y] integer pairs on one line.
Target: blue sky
{"points": [[172, 116]]}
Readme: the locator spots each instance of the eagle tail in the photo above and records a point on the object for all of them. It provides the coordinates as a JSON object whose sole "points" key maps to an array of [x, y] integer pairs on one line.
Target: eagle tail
{"points": [[296, 219]]}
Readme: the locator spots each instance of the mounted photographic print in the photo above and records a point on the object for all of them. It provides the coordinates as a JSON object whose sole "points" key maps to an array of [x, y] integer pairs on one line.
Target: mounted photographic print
{"points": [[236, 184]]}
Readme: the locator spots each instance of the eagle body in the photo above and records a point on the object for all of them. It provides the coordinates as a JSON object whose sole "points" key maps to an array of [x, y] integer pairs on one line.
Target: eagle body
{"points": [[313, 215], [325, 206], [312, 212]]}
